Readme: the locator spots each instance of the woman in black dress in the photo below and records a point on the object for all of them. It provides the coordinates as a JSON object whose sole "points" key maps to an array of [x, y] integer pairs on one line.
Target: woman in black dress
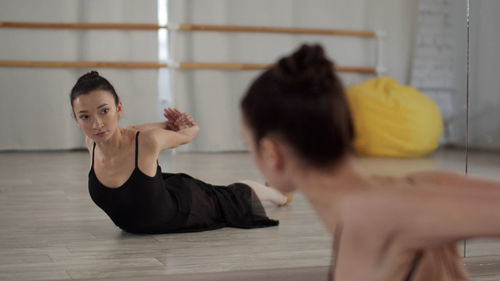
{"points": [[126, 181]]}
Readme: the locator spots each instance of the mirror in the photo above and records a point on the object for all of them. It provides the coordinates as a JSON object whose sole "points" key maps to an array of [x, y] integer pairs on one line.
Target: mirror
{"points": [[50, 227], [483, 157]]}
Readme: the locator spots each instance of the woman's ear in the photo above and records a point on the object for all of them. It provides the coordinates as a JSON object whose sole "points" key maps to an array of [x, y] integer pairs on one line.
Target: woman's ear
{"points": [[119, 108], [272, 154]]}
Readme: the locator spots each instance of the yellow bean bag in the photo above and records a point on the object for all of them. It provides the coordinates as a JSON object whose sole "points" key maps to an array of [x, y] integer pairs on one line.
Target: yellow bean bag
{"points": [[393, 120]]}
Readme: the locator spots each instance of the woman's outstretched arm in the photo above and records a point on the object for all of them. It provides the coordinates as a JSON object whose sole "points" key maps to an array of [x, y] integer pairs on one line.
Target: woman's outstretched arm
{"points": [[161, 139], [408, 219], [455, 181], [419, 218], [148, 126]]}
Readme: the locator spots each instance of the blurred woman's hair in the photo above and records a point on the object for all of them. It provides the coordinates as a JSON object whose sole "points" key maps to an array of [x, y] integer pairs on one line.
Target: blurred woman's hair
{"points": [[301, 100]]}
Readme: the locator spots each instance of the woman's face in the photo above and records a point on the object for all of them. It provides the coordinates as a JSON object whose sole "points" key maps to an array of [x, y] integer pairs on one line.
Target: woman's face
{"points": [[97, 115]]}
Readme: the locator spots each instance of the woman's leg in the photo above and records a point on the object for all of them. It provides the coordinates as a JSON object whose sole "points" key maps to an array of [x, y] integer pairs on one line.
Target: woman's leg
{"points": [[266, 193]]}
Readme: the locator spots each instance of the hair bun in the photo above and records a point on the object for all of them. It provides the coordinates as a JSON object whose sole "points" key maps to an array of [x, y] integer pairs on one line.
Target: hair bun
{"points": [[307, 66], [89, 75]]}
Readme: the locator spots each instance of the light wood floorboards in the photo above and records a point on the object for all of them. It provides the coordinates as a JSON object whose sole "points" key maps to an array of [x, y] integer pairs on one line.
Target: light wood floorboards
{"points": [[51, 230]]}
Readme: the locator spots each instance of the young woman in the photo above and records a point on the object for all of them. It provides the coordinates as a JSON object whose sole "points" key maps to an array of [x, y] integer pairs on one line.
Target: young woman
{"points": [[297, 124], [126, 181]]}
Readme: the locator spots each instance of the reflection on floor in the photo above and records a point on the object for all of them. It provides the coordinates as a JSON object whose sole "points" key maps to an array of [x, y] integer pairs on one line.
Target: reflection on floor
{"points": [[51, 230]]}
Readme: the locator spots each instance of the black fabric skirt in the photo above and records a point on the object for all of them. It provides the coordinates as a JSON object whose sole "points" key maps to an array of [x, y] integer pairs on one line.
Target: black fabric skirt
{"points": [[203, 206]]}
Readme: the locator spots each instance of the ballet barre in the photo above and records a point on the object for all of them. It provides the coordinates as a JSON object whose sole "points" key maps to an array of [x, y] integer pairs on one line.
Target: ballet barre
{"points": [[378, 36], [153, 65], [290, 30], [80, 64], [189, 27], [243, 66], [53, 25]]}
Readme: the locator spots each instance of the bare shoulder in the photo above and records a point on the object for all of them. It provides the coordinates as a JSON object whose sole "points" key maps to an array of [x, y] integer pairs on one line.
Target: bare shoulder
{"points": [[148, 139], [150, 136], [385, 212], [369, 224], [372, 209]]}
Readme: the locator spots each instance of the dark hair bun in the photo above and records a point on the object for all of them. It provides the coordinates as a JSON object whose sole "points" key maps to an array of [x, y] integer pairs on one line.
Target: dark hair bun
{"points": [[301, 100], [89, 75], [308, 66], [92, 81]]}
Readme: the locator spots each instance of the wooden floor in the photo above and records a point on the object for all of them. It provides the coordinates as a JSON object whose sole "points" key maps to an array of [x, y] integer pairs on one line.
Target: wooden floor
{"points": [[51, 230]]}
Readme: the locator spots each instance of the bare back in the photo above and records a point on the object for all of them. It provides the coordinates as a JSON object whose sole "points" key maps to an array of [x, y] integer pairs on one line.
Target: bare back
{"points": [[390, 259], [441, 263]]}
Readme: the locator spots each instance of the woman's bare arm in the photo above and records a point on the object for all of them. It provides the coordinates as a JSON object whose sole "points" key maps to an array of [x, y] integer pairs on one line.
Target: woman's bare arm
{"points": [[160, 139], [421, 218], [148, 126], [455, 181], [374, 222]]}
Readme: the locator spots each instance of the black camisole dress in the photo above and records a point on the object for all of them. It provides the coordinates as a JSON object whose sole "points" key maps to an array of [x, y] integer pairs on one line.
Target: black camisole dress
{"points": [[169, 203]]}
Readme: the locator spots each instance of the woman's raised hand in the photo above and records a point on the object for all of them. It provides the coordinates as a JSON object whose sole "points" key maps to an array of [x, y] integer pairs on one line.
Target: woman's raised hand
{"points": [[171, 114], [177, 120], [188, 120]]}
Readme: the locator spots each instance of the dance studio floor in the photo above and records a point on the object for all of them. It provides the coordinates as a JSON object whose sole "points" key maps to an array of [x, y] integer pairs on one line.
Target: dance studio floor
{"points": [[51, 230]]}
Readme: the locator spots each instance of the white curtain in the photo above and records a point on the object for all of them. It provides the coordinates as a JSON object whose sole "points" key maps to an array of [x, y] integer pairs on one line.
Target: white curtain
{"points": [[35, 112], [213, 96]]}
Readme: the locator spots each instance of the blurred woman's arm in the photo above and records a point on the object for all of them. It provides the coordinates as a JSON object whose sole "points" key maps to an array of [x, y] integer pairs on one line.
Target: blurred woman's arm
{"points": [[417, 218], [454, 181]]}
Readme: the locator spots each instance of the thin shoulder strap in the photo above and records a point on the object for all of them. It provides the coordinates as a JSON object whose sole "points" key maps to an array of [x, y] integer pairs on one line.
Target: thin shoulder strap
{"points": [[136, 147], [93, 153], [337, 236], [414, 265]]}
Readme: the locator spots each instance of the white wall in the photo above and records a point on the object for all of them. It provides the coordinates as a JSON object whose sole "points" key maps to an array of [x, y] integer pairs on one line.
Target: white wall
{"points": [[34, 107], [34, 102], [398, 19], [213, 96]]}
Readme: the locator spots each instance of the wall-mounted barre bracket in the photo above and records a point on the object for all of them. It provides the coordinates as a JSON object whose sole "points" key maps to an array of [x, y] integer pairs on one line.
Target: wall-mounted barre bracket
{"points": [[380, 68]]}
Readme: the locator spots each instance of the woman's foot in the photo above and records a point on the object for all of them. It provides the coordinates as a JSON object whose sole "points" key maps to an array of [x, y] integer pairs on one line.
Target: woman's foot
{"points": [[288, 199], [268, 193], [287, 196]]}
